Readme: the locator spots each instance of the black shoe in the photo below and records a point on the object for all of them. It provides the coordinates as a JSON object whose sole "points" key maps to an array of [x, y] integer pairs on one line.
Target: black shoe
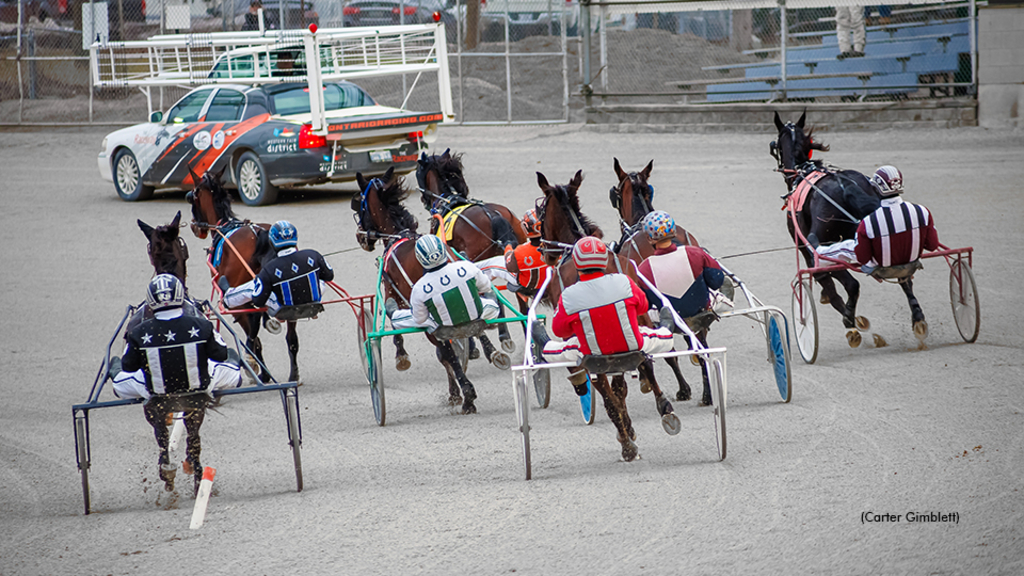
{"points": [[856, 54], [222, 283], [233, 358], [115, 367], [581, 389], [845, 55], [390, 307]]}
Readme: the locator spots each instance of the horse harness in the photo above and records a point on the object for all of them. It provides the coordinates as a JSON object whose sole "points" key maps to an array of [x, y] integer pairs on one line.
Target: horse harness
{"points": [[804, 179]]}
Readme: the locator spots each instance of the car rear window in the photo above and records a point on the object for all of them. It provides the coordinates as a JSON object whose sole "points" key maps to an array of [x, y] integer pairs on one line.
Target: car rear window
{"points": [[336, 97]]}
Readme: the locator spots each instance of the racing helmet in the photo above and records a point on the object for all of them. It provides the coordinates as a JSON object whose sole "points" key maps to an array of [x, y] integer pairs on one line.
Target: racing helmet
{"points": [[590, 253], [165, 291], [283, 235], [531, 224], [888, 180], [659, 225], [430, 252]]}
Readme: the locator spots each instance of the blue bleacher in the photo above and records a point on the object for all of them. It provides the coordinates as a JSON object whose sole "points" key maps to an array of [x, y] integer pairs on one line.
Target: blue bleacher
{"points": [[812, 88]]}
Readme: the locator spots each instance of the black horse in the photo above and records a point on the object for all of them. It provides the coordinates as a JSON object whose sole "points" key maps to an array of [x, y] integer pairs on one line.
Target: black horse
{"points": [[827, 204]]}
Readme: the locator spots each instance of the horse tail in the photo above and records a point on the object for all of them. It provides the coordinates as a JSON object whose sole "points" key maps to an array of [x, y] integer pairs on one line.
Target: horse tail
{"points": [[501, 230]]}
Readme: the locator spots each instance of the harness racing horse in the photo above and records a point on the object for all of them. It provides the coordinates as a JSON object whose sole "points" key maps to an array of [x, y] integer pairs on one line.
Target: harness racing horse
{"points": [[477, 230], [238, 251], [827, 205], [562, 224], [168, 254], [380, 215], [633, 198]]}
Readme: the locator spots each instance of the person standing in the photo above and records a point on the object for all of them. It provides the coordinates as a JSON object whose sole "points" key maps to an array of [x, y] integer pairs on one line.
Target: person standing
{"points": [[850, 21]]}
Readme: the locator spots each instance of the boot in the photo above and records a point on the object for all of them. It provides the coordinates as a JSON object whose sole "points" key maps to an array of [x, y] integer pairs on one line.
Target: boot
{"points": [[579, 380], [115, 367], [390, 307], [222, 283]]}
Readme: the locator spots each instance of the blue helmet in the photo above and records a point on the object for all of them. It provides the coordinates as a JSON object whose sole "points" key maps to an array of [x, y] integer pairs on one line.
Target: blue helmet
{"points": [[165, 291], [430, 252], [283, 235]]}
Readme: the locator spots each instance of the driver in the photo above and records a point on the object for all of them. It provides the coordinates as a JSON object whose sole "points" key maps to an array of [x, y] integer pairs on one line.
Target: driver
{"points": [[291, 279], [897, 232], [448, 293]]}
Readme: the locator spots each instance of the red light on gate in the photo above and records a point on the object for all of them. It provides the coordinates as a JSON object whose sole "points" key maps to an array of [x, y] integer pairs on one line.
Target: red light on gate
{"points": [[312, 28], [437, 16], [309, 140]]}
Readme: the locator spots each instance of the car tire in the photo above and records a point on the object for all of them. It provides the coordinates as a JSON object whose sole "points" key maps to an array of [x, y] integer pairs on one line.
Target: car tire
{"points": [[254, 188], [128, 178]]}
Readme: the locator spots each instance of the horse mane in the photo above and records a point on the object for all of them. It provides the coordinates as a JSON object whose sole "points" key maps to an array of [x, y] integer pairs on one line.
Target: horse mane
{"points": [[572, 202], [392, 197], [447, 166], [221, 199]]}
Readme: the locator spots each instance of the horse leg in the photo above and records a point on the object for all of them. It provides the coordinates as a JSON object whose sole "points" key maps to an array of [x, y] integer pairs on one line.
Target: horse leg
{"points": [[499, 359], [454, 392], [615, 407], [474, 352], [916, 313], [452, 364], [292, 338], [669, 421], [503, 336], [705, 397], [193, 421], [684, 392], [402, 362], [252, 341], [619, 391], [155, 411]]}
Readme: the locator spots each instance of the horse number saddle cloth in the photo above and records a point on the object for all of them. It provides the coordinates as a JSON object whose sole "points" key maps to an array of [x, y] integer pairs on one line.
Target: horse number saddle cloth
{"points": [[449, 219], [795, 200]]}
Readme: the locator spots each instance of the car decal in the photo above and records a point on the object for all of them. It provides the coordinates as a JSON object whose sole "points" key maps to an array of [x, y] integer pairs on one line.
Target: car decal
{"points": [[202, 160]]}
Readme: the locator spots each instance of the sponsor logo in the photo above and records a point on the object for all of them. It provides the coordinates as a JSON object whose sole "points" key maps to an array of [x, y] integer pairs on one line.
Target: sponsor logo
{"points": [[145, 139], [409, 158], [201, 140], [283, 133], [282, 147], [218, 140], [386, 122], [340, 164]]}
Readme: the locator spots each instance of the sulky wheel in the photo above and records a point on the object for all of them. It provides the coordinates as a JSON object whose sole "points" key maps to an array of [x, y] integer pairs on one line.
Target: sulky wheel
{"points": [[375, 375], [81, 446], [805, 321], [295, 436], [717, 374], [541, 380], [363, 320], [963, 294], [588, 403], [523, 416], [779, 355]]}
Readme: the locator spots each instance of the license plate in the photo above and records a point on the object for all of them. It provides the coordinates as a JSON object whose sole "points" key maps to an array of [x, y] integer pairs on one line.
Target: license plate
{"points": [[377, 156]]}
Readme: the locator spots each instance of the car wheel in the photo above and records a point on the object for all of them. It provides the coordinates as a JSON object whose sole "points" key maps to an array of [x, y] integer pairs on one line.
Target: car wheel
{"points": [[254, 187], [128, 177]]}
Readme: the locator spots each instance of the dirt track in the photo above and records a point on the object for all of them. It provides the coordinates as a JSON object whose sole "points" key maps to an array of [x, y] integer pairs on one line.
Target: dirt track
{"points": [[892, 430]]}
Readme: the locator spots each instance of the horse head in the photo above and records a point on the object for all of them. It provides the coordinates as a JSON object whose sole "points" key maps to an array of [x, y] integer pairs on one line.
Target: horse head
{"points": [[379, 212], [210, 202], [560, 217], [167, 250], [440, 176], [792, 148], [633, 196]]}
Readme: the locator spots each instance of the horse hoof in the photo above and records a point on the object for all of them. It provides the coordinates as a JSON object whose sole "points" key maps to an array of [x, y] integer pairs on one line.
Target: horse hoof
{"points": [[508, 346], [501, 361], [863, 323], [824, 299], [273, 326], [167, 473], [705, 401], [695, 360], [402, 363], [853, 337], [454, 400], [879, 341], [921, 330], [645, 387], [186, 467], [684, 394], [474, 353], [670, 422], [169, 420], [469, 408], [629, 451]]}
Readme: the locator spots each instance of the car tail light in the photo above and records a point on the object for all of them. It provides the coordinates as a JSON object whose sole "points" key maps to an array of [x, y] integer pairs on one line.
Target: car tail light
{"points": [[409, 10], [143, 6], [415, 136], [309, 140], [350, 10]]}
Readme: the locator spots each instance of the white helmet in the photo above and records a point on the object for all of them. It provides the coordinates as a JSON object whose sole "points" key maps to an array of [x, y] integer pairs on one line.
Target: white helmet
{"points": [[430, 252], [165, 291], [888, 180]]}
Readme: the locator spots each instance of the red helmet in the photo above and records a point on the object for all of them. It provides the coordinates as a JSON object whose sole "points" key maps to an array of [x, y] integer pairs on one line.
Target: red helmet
{"points": [[590, 253], [531, 224], [888, 180]]}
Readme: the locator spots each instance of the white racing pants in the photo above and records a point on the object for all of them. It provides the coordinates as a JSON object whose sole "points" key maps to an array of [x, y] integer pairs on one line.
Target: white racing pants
{"points": [[402, 318], [133, 384], [656, 340], [850, 19], [242, 294]]}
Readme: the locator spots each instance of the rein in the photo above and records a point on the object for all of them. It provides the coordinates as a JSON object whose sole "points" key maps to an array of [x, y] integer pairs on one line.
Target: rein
{"points": [[446, 200]]}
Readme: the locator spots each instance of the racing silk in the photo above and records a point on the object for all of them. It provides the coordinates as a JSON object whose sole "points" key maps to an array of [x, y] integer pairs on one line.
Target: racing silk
{"points": [[897, 233], [173, 352], [684, 275], [450, 295], [601, 311], [526, 263], [294, 277]]}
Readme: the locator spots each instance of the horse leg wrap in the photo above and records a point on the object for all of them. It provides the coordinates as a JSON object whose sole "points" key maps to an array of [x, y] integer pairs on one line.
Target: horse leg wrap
{"points": [[579, 380]]}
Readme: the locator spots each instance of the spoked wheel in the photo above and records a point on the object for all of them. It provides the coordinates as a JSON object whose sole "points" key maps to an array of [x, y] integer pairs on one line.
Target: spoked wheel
{"points": [[523, 416], [375, 375], [779, 354], [963, 294], [541, 381], [363, 320], [588, 402], [805, 321], [83, 458], [295, 436], [717, 374]]}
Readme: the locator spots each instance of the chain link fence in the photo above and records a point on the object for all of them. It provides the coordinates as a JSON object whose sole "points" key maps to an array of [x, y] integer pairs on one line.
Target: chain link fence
{"points": [[648, 51]]}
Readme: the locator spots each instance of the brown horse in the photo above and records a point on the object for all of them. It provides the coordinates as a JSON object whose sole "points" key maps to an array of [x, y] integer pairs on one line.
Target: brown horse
{"points": [[562, 224], [238, 252], [167, 250], [380, 215], [633, 198]]}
